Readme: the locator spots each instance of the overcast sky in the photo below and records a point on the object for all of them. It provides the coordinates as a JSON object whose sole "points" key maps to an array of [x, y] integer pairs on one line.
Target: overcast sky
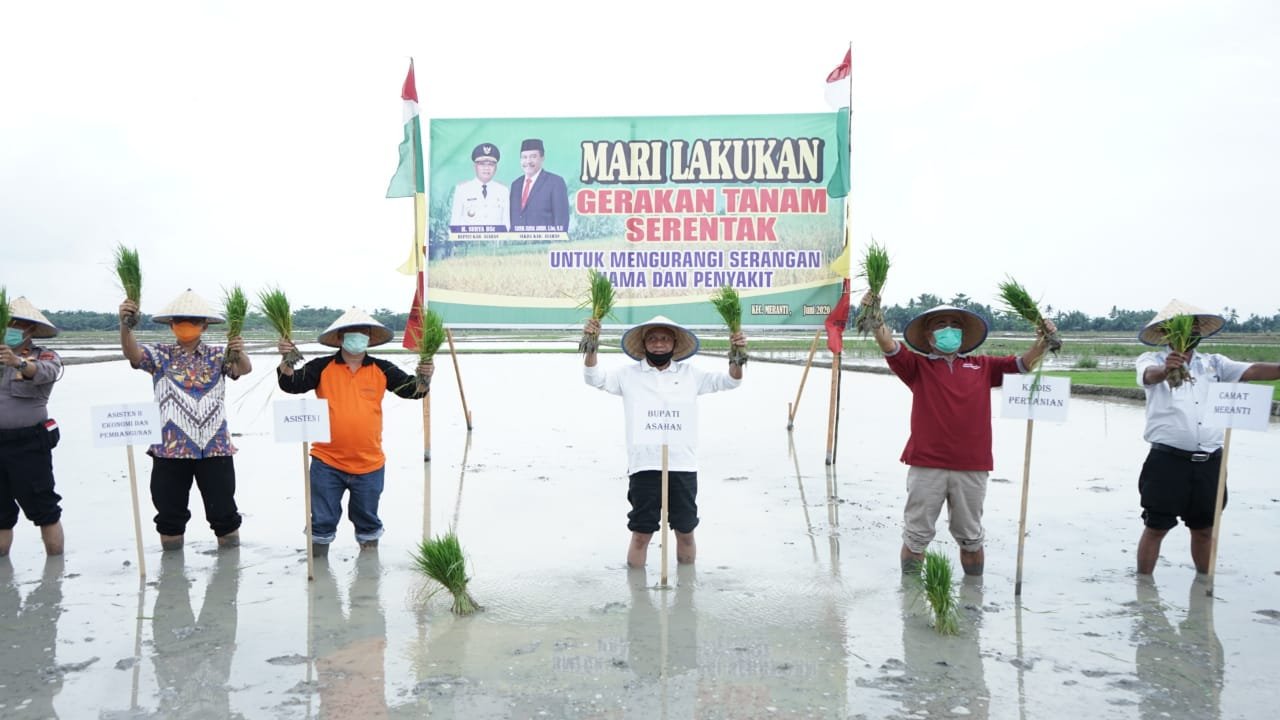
{"points": [[1101, 153]]}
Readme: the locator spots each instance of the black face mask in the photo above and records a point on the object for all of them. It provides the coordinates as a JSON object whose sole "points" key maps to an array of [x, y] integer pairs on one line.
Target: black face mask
{"points": [[658, 359]]}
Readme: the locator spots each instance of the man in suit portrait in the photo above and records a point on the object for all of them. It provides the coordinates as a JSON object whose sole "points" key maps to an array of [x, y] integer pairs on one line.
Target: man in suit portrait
{"points": [[539, 198]]}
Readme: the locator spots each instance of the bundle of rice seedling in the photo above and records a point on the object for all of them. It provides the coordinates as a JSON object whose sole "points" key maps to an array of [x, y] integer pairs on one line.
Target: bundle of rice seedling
{"points": [[875, 268], [600, 299], [275, 306], [429, 339], [729, 305], [1019, 302], [441, 559], [936, 588], [5, 317], [235, 305], [1178, 331], [130, 272]]}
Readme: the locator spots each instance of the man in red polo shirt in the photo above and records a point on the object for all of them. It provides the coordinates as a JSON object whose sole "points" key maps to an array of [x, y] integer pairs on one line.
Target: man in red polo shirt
{"points": [[949, 449]]}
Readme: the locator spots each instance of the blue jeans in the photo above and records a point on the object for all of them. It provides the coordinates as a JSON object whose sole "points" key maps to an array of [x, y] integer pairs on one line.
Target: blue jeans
{"points": [[327, 485]]}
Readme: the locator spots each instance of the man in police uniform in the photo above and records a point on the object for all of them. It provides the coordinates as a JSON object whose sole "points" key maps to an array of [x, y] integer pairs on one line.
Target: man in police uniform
{"points": [[27, 435], [481, 201]]}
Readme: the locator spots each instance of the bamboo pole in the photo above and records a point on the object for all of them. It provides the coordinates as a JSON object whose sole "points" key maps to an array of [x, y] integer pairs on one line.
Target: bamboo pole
{"points": [[458, 371], [426, 501], [833, 408], [137, 517], [794, 407], [662, 521], [426, 428], [1217, 511], [306, 496], [1022, 519]]}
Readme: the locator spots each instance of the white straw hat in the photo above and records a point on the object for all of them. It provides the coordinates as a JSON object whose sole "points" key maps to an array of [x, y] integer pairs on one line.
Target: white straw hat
{"points": [[973, 334], [1153, 334], [188, 304], [686, 344], [21, 308], [355, 318]]}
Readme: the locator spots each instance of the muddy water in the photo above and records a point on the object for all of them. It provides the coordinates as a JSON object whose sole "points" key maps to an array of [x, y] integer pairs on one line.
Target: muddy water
{"points": [[796, 607]]}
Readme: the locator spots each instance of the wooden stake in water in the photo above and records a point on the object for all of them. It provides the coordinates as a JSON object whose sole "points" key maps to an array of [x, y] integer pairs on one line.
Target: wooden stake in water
{"points": [[137, 518], [1217, 512], [1022, 519], [833, 408], [458, 372], [662, 520], [794, 407], [306, 495]]}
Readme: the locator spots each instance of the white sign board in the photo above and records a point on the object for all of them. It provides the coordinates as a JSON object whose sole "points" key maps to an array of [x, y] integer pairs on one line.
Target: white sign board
{"points": [[131, 424], [1030, 398], [302, 420], [664, 424], [1239, 406]]}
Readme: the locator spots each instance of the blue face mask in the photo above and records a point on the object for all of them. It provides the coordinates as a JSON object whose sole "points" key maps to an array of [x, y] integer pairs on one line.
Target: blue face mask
{"points": [[355, 343], [947, 340], [13, 337]]}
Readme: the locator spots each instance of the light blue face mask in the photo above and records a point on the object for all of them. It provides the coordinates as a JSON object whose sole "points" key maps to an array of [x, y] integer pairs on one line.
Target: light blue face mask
{"points": [[355, 343], [947, 340], [13, 337]]}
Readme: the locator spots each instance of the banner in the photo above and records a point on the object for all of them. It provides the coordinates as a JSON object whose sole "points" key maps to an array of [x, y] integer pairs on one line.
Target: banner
{"points": [[670, 208]]}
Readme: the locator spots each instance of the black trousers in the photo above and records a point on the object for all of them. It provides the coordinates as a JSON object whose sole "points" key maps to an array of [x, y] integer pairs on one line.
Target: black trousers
{"points": [[26, 476], [171, 493]]}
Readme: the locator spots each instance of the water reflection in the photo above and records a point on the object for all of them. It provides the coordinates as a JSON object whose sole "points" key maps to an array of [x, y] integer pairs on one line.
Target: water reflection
{"points": [[942, 672], [350, 647], [192, 657], [1179, 668], [662, 643], [28, 635]]}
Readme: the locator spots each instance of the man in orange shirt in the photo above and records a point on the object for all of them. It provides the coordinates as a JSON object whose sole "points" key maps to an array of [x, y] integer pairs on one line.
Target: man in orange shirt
{"points": [[354, 384]]}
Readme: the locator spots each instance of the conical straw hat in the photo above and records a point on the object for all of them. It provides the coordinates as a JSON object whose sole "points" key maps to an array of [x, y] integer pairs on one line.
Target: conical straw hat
{"points": [[973, 334], [354, 318], [190, 305], [686, 344], [21, 308], [1153, 334]]}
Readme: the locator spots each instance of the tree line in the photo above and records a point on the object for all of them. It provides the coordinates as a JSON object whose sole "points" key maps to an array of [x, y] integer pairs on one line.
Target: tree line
{"points": [[897, 316]]}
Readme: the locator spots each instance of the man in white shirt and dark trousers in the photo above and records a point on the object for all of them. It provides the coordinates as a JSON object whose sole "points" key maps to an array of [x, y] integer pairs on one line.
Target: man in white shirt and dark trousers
{"points": [[660, 346], [1180, 475]]}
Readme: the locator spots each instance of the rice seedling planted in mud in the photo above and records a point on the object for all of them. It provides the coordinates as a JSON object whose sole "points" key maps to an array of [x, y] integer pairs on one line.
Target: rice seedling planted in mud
{"points": [[430, 338], [275, 306], [1178, 333], [729, 305], [1019, 302], [937, 590], [129, 270], [600, 299], [440, 558], [235, 305], [875, 268]]}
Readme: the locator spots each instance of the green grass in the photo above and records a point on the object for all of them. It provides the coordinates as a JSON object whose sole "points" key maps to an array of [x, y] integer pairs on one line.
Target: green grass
{"points": [[1114, 378], [441, 559]]}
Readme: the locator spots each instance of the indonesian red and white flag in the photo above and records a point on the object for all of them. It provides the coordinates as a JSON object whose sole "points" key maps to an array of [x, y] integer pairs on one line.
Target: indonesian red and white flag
{"points": [[838, 82]]}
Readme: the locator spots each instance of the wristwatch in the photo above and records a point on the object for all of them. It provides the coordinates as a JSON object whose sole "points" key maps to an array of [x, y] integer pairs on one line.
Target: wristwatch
{"points": [[22, 364]]}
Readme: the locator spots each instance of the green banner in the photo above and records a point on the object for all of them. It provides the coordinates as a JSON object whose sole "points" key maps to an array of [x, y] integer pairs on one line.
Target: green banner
{"points": [[670, 208]]}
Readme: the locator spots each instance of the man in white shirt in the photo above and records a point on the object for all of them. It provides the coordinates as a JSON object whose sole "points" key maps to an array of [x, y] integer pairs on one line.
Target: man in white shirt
{"points": [[1180, 475], [660, 376], [481, 201]]}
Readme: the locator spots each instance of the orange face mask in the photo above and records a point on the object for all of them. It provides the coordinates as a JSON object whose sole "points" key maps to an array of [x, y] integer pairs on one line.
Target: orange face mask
{"points": [[186, 331]]}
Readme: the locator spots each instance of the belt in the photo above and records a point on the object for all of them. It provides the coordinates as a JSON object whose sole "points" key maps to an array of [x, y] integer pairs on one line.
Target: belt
{"points": [[1196, 457]]}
